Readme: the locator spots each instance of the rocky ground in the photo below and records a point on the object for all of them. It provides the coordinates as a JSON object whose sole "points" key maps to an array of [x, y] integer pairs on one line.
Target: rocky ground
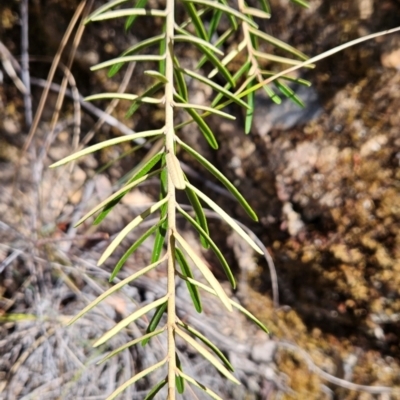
{"points": [[325, 183]]}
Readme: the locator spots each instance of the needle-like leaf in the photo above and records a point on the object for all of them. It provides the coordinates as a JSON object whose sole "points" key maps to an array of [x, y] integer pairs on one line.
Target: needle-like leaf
{"points": [[128, 320], [138, 376], [155, 320], [180, 383], [129, 22], [228, 219], [148, 336], [186, 271], [221, 177], [156, 389], [106, 143], [133, 224], [127, 12], [114, 288], [208, 275], [200, 386], [213, 246]]}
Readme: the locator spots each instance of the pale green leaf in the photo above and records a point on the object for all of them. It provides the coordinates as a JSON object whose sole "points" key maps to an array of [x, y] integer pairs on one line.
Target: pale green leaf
{"points": [[249, 112], [302, 3], [124, 59], [200, 386], [207, 355], [248, 314], [289, 93], [155, 320], [133, 248], [278, 59], [131, 343], [222, 178], [205, 108], [278, 43], [226, 9], [123, 96], [216, 87], [255, 12], [127, 12], [208, 275], [208, 343], [156, 75], [228, 219], [138, 376], [104, 8], [133, 224], [114, 289], [197, 41], [117, 195], [135, 49], [106, 143], [148, 92], [128, 320], [213, 246]]}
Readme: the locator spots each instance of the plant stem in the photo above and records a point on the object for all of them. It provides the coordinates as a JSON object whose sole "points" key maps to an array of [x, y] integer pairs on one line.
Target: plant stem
{"points": [[169, 147]]}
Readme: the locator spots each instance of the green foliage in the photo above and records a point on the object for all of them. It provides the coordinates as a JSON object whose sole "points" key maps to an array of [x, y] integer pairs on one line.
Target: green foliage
{"points": [[170, 90]]}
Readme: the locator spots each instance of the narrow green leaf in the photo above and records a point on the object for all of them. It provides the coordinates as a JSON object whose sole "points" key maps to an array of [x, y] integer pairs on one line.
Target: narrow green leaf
{"points": [[214, 247], [162, 230], [200, 216], [228, 58], [278, 59], [127, 12], [228, 219], [204, 128], [224, 8], [180, 383], [221, 177], [200, 386], [133, 224], [162, 51], [265, 6], [217, 14], [299, 81], [135, 49], [155, 320], [289, 93], [272, 95], [197, 22], [156, 389], [205, 108], [138, 376], [148, 166], [133, 248], [208, 275], [115, 197], [243, 69], [187, 272], [231, 17], [180, 81], [302, 3], [187, 37], [156, 75], [114, 288], [278, 43], [216, 87], [207, 355], [218, 43], [129, 22], [122, 96], [104, 8], [106, 143], [148, 336], [208, 343], [234, 304], [128, 320], [249, 112], [148, 92], [124, 59]]}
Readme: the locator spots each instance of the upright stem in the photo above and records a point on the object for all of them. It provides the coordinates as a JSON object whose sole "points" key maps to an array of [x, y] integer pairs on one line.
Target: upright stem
{"points": [[169, 147]]}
